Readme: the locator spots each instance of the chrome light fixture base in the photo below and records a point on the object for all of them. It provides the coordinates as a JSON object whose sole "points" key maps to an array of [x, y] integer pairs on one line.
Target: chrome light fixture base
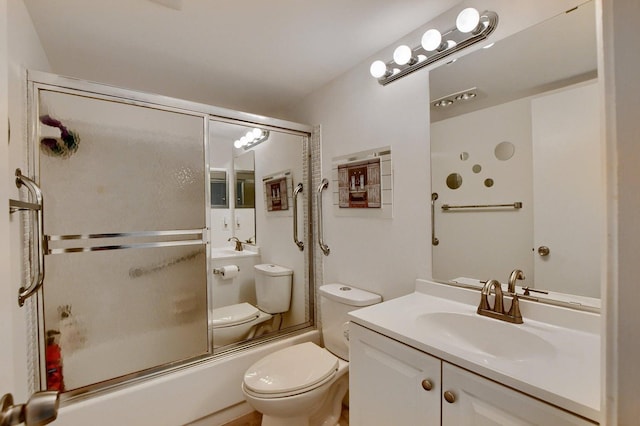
{"points": [[454, 41]]}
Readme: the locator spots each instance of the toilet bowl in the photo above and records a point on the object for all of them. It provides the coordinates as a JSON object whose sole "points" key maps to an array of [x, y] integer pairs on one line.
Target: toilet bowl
{"points": [[304, 384], [307, 383], [235, 323]]}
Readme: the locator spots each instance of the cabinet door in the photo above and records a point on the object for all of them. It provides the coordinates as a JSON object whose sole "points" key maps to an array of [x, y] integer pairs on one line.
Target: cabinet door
{"points": [[481, 402], [391, 383]]}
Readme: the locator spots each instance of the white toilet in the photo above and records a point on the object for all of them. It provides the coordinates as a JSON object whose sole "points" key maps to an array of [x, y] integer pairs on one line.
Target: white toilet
{"points": [[241, 321], [304, 384]]}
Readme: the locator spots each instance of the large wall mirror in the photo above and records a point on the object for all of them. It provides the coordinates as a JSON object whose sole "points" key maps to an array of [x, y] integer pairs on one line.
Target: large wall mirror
{"points": [[245, 180], [517, 173], [250, 241]]}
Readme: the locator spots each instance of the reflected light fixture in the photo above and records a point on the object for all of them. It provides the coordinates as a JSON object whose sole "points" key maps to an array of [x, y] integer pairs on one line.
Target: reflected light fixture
{"points": [[471, 27], [252, 138], [464, 95]]}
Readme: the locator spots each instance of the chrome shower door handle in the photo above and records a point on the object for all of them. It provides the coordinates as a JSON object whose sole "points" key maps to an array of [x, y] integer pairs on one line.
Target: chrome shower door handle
{"points": [[296, 191], [38, 240], [323, 246]]}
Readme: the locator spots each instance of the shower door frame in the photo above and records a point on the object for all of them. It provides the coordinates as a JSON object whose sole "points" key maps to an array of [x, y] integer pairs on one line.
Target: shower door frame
{"points": [[36, 81]]}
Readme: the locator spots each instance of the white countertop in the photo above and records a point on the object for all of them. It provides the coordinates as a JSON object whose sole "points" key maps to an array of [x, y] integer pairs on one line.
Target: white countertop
{"points": [[567, 376], [230, 252]]}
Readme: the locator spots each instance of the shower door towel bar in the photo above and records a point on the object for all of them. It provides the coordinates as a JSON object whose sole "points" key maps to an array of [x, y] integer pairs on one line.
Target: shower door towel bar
{"points": [[39, 243], [516, 205], [128, 240]]}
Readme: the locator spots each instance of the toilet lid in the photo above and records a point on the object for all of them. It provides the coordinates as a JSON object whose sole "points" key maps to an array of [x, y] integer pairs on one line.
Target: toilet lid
{"points": [[294, 368], [233, 315]]}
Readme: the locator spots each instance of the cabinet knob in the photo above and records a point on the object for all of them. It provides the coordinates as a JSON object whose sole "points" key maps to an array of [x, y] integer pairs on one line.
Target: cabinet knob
{"points": [[427, 385], [450, 397]]}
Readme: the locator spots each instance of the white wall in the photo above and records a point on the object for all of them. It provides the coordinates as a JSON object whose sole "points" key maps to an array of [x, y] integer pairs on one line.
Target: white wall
{"points": [[23, 51], [621, 65], [6, 294]]}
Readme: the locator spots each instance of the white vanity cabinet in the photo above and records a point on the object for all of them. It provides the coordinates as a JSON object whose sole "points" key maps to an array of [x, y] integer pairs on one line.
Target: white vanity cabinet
{"points": [[391, 383], [386, 388], [479, 401]]}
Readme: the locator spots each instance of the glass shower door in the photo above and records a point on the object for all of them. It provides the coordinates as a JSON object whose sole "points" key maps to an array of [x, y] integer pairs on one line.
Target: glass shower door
{"points": [[125, 189]]}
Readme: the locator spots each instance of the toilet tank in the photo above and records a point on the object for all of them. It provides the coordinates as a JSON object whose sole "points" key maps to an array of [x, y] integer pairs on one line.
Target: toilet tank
{"points": [[273, 288], [336, 301]]}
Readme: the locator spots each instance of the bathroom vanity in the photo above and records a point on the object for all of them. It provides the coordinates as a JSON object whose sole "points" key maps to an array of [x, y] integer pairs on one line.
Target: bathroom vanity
{"points": [[428, 358]]}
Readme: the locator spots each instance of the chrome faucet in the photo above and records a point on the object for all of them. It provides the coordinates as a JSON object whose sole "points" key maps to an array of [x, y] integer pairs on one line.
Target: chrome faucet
{"points": [[497, 311], [238, 243]]}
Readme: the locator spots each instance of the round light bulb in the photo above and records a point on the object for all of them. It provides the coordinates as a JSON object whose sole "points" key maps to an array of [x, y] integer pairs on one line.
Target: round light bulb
{"points": [[402, 54], [378, 69], [244, 141], [237, 143], [431, 40], [467, 20], [256, 133]]}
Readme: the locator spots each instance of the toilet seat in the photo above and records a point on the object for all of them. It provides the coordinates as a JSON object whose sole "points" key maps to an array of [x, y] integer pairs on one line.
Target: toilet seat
{"points": [[231, 315], [290, 371]]}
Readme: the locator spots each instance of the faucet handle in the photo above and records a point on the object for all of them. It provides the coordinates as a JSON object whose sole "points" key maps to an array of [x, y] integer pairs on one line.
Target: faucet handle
{"points": [[514, 310]]}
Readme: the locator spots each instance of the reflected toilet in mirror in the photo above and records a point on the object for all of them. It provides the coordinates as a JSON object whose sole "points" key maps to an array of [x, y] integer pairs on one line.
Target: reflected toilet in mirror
{"points": [[241, 321], [267, 292]]}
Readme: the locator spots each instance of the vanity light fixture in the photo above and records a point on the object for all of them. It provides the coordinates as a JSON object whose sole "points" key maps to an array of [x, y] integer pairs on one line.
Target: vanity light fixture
{"points": [[471, 27], [252, 138]]}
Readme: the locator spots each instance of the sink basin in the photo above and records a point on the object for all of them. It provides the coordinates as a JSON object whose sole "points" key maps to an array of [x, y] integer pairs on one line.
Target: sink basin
{"points": [[224, 252], [489, 336]]}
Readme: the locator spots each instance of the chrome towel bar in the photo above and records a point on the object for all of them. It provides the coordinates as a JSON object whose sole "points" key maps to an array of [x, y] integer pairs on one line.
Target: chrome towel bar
{"points": [[516, 205], [325, 248], [434, 240], [296, 191]]}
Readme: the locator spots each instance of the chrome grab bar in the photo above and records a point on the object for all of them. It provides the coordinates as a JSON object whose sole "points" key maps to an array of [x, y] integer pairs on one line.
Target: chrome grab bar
{"points": [[434, 240], [323, 246], [296, 191], [516, 205], [37, 207]]}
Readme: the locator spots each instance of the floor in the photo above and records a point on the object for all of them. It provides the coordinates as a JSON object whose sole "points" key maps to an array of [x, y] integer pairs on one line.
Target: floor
{"points": [[255, 418]]}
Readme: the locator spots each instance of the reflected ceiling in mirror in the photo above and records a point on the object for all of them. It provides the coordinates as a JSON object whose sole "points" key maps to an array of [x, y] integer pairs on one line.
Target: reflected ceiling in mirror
{"points": [[503, 144], [550, 55]]}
